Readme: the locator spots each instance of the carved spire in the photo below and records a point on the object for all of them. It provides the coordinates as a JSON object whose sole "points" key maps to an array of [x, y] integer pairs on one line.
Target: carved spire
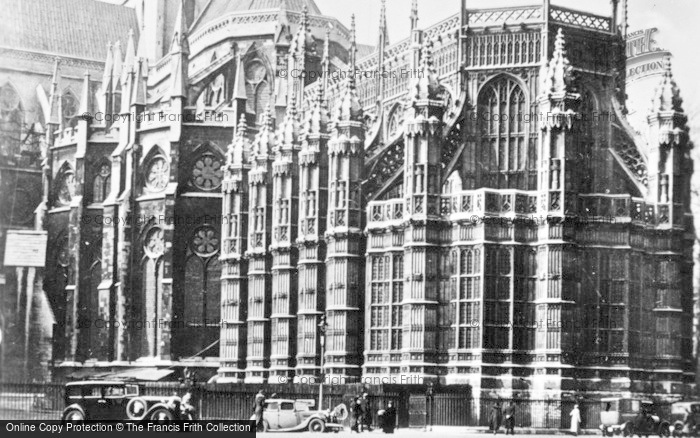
{"points": [[288, 133], [265, 139], [129, 55], [239, 149], [304, 39], [353, 46], [559, 72], [414, 15], [180, 52], [140, 83], [179, 43], [109, 63], [667, 96], [318, 117], [85, 96], [326, 63], [349, 108], [117, 66], [383, 28], [55, 117], [427, 85]]}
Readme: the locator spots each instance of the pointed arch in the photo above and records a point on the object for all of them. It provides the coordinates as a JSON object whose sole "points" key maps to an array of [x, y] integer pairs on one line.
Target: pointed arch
{"points": [[64, 186], [11, 120], [503, 127], [155, 171], [69, 107], [102, 180]]}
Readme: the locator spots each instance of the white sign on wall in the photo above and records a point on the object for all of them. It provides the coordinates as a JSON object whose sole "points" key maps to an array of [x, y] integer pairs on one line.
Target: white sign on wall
{"points": [[26, 248]]}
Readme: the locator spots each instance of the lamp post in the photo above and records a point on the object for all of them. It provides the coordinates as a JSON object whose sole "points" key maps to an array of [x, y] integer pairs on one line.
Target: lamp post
{"points": [[322, 326]]}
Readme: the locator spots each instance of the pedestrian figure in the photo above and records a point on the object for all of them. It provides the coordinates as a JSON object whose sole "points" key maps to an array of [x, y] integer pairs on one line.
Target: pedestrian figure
{"points": [[495, 418], [356, 415], [510, 419], [389, 418], [258, 408], [575, 420], [366, 413]]}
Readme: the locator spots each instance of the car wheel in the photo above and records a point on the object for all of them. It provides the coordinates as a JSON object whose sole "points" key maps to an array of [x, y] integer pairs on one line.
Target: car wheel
{"points": [[664, 431], [136, 409], [161, 414], [317, 425], [73, 416]]}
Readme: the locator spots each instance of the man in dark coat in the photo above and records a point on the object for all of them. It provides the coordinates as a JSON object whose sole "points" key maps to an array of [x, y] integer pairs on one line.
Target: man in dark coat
{"points": [[495, 418], [356, 415], [258, 408], [509, 414], [389, 418], [366, 413]]}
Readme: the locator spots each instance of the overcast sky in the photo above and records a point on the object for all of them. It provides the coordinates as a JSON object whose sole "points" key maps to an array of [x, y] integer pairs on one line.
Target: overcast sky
{"points": [[677, 21]]}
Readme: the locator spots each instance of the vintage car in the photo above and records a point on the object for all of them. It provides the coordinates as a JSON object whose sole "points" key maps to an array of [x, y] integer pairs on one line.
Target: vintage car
{"points": [[631, 416], [281, 415], [117, 400], [685, 418]]}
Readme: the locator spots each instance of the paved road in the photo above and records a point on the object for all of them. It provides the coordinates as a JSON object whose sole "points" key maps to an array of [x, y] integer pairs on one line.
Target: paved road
{"points": [[440, 432]]}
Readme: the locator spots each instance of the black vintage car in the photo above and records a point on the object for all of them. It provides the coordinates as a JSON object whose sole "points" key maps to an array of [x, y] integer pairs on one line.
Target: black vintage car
{"points": [[117, 400]]}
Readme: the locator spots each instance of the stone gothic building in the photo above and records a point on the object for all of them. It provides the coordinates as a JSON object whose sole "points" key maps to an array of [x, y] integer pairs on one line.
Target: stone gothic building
{"points": [[466, 206]]}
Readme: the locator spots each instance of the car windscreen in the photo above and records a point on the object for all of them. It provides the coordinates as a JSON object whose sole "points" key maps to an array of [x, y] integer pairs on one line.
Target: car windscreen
{"points": [[132, 390], [115, 391]]}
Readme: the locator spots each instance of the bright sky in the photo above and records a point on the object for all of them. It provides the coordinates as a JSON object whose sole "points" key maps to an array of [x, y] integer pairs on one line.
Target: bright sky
{"points": [[676, 20]]}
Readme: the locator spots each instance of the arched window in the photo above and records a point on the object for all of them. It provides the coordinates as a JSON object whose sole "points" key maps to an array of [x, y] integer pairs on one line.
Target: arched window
{"points": [[64, 188], [152, 285], [503, 152], [101, 184], [11, 120], [156, 172], [69, 107], [257, 87], [202, 294]]}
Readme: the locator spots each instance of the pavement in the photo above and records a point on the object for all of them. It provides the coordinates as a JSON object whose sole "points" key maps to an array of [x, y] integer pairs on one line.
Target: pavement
{"points": [[437, 431]]}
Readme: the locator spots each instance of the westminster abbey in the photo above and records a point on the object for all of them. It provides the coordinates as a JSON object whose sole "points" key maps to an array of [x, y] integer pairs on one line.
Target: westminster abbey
{"points": [[260, 198]]}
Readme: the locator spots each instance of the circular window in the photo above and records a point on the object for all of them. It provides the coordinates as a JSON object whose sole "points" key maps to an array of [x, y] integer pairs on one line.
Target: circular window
{"points": [[9, 99], [157, 174], [66, 188], [154, 244], [207, 172], [205, 241], [255, 72]]}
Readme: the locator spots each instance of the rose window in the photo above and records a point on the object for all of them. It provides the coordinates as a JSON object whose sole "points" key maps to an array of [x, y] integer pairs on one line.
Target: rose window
{"points": [[154, 245], [157, 174], [205, 242], [207, 172]]}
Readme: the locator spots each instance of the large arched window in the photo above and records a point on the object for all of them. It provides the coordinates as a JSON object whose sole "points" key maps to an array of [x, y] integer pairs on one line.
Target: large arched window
{"points": [[11, 120], [69, 107], [152, 271], [257, 87], [64, 186], [101, 184], [202, 294], [502, 156]]}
